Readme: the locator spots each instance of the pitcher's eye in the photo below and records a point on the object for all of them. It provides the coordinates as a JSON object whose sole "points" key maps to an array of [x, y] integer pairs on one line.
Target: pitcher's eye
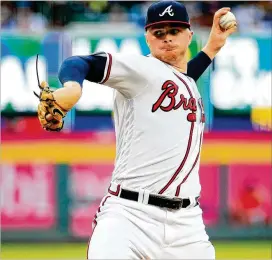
{"points": [[159, 34], [174, 31]]}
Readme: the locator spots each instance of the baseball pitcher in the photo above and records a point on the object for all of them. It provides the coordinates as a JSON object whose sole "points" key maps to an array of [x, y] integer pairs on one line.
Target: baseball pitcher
{"points": [[151, 210]]}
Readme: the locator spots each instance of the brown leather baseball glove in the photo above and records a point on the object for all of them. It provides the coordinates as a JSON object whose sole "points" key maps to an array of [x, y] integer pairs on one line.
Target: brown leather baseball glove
{"points": [[50, 113]]}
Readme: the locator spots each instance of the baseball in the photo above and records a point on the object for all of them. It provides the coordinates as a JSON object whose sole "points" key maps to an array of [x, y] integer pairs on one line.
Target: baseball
{"points": [[227, 20]]}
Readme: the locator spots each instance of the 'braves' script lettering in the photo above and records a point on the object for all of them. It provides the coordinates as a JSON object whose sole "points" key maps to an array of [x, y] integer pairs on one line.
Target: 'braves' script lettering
{"points": [[170, 92]]}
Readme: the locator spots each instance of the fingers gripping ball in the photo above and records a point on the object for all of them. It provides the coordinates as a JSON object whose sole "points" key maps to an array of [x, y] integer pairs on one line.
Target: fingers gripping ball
{"points": [[50, 114], [227, 21]]}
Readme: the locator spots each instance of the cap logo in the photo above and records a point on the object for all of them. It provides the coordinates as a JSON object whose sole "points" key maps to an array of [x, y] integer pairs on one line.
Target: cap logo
{"points": [[167, 10]]}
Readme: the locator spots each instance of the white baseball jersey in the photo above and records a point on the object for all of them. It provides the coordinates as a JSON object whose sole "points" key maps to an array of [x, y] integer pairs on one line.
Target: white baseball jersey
{"points": [[159, 123]]}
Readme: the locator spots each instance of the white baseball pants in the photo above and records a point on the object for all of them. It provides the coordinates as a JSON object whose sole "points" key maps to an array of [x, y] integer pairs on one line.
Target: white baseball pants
{"points": [[125, 229]]}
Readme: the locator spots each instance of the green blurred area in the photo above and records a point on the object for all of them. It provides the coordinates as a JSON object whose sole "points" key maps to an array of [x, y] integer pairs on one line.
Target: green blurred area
{"points": [[224, 250]]}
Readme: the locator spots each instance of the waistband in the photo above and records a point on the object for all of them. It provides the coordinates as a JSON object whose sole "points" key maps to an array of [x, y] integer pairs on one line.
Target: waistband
{"points": [[145, 197]]}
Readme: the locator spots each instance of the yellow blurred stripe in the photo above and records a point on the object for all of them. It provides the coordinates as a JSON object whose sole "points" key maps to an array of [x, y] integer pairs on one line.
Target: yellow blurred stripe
{"points": [[237, 152], [57, 152], [75, 152], [262, 116]]}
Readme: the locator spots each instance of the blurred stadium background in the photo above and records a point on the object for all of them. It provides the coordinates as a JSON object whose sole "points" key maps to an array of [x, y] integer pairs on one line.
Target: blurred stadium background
{"points": [[48, 198]]}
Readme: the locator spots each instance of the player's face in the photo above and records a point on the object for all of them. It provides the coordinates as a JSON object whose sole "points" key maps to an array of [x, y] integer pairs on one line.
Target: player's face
{"points": [[168, 43]]}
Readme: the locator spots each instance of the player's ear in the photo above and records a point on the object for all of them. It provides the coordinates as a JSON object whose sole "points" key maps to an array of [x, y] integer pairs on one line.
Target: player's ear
{"points": [[146, 40], [190, 36]]}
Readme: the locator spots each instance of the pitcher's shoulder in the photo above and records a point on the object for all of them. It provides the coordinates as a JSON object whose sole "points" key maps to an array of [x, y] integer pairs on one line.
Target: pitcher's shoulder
{"points": [[132, 57], [139, 62]]}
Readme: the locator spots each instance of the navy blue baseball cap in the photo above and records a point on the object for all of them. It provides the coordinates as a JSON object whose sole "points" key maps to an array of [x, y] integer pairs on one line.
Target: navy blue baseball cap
{"points": [[167, 12]]}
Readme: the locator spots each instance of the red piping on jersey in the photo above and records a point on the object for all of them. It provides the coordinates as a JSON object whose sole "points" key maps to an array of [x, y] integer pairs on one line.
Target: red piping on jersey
{"points": [[183, 161], [184, 82], [108, 70], [188, 146], [200, 102], [115, 193], [194, 164], [95, 222]]}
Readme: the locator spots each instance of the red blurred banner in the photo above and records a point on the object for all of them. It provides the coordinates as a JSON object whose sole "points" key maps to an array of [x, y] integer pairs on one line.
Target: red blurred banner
{"points": [[210, 193], [89, 185], [28, 198], [249, 194], [28, 195]]}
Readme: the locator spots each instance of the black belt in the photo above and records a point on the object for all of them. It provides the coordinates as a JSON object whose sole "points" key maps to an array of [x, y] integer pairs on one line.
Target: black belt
{"points": [[159, 201]]}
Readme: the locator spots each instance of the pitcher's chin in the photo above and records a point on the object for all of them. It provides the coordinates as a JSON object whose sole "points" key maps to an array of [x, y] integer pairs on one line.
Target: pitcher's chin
{"points": [[169, 56]]}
